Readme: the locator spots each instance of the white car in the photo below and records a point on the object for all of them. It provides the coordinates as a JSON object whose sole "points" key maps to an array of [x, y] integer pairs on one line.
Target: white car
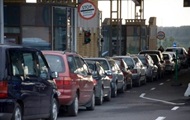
{"points": [[169, 62]]}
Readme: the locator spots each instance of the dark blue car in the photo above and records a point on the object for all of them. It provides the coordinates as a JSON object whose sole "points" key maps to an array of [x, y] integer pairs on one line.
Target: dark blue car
{"points": [[27, 89]]}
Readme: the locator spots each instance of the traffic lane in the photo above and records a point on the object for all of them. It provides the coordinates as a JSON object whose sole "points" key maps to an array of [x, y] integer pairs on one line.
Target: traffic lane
{"points": [[132, 106], [166, 90], [122, 108]]}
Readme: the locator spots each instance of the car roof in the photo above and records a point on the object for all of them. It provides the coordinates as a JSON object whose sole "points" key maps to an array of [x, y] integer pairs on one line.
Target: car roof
{"points": [[128, 56], [10, 46], [59, 52], [95, 58]]}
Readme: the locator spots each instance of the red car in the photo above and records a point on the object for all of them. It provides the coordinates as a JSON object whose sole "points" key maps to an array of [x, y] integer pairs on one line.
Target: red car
{"points": [[74, 82], [126, 72]]}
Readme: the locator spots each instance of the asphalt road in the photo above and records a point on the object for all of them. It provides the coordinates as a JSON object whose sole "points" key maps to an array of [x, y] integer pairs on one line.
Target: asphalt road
{"points": [[159, 100]]}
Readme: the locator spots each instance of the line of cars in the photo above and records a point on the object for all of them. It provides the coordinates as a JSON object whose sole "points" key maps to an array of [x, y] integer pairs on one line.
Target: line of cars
{"points": [[37, 84]]}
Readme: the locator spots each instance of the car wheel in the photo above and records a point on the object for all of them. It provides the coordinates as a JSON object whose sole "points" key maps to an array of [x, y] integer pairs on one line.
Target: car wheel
{"points": [[114, 90], [91, 106], [138, 83], [145, 80], [99, 100], [73, 108], [157, 77], [152, 78], [54, 110], [130, 86], [108, 97], [122, 90], [17, 114]]}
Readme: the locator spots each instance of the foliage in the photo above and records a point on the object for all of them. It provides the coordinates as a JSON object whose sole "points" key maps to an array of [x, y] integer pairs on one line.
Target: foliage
{"points": [[179, 35]]}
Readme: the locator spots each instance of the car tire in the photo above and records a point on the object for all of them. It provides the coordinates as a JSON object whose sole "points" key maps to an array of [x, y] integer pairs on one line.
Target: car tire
{"points": [[122, 90], [152, 78], [108, 97], [91, 105], [17, 113], [73, 108], [99, 100], [130, 86], [114, 90], [145, 80], [138, 83], [54, 110]]}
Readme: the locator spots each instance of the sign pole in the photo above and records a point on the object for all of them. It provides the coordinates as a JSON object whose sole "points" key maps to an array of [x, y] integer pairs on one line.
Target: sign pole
{"points": [[176, 81]]}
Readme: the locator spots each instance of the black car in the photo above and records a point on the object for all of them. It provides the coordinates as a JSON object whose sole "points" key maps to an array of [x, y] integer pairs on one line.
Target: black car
{"points": [[27, 89]]}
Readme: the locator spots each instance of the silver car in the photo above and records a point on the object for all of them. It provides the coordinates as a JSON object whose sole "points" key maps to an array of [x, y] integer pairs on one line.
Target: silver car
{"points": [[138, 74], [151, 69], [169, 62], [112, 71], [103, 82]]}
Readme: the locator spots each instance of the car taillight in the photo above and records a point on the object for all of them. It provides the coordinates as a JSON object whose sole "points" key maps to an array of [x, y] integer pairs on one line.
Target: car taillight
{"points": [[94, 82], [60, 81], [3, 89], [110, 76], [134, 71], [168, 62]]}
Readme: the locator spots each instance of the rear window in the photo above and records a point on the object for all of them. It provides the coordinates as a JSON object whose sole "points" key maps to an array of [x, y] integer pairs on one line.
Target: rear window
{"points": [[166, 56], [91, 66], [129, 62], [55, 62], [155, 58], [143, 59], [179, 50], [104, 64]]}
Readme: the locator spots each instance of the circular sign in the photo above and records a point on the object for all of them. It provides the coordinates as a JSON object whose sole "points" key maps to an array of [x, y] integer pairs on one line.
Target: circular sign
{"points": [[160, 35], [87, 10]]}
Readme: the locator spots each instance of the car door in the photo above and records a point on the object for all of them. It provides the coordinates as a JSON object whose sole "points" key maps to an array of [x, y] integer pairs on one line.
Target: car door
{"points": [[105, 78], [46, 84], [24, 82], [84, 86]]}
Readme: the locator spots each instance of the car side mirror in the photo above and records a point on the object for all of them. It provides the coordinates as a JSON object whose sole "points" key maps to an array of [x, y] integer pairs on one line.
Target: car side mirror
{"points": [[54, 74]]}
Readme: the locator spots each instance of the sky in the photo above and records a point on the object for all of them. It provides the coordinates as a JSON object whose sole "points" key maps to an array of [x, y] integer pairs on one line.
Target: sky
{"points": [[168, 13]]}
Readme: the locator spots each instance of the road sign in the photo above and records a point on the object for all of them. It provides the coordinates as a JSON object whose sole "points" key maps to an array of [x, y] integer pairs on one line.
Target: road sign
{"points": [[87, 10], [174, 44], [160, 35]]}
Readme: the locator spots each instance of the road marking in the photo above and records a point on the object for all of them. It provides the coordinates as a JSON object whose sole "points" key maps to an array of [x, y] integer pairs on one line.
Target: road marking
{"points": [[168, 80], [160, 118], [163, 101], [152, 88], [175, 108], [161, 83], [142, 95]]}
